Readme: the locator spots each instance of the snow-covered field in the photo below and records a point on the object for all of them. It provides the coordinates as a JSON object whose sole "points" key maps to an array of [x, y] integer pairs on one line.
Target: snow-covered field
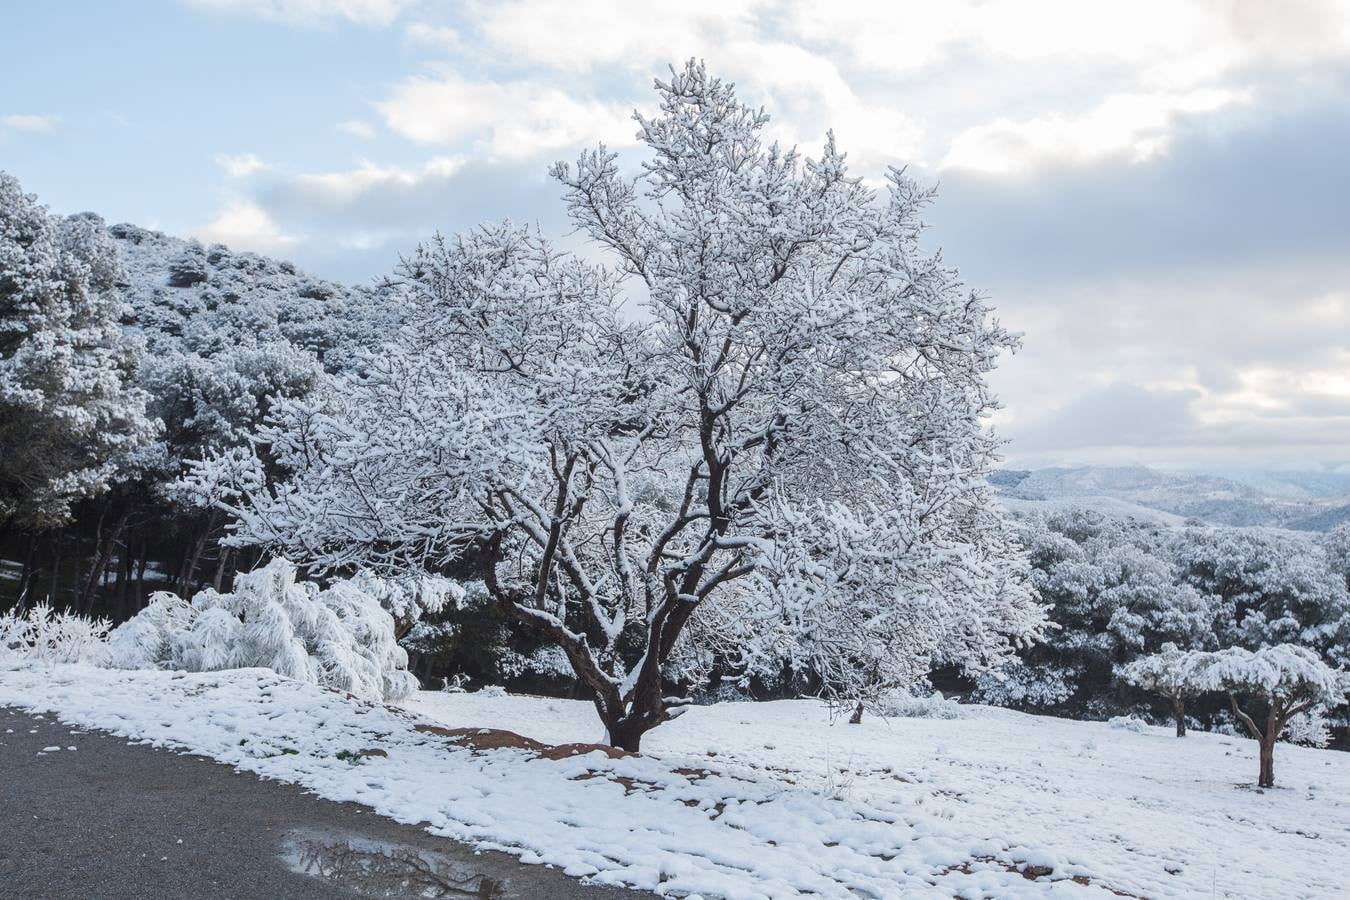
{"points": [[771, 799]]}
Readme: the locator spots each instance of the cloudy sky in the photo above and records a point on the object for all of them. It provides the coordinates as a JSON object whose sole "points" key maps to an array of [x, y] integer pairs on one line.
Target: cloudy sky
{"points": [[1156, 193]]}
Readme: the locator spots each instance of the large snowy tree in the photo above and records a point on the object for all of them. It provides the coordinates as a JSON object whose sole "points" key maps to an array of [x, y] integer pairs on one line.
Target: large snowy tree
{"points": [[69, 421], [758, 432]]}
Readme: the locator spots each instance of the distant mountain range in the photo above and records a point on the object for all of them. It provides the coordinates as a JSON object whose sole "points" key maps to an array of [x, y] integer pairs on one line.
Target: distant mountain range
{"points": [[1303, 501]]}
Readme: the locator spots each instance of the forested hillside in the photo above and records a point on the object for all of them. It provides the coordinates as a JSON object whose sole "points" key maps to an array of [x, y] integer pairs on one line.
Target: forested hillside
{"points": [[205, 341]]}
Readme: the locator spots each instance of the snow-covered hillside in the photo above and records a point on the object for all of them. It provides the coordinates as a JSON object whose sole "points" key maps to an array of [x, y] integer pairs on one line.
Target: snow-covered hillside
{"points": [[1303, 501], [769, 799]]}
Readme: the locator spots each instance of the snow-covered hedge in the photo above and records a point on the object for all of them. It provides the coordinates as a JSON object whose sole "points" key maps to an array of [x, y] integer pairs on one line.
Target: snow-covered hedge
{"points": [[342, 637]]}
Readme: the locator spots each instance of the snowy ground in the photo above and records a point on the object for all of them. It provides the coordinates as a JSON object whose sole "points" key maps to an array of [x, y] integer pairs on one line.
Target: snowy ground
{"points": [[771, 800]]}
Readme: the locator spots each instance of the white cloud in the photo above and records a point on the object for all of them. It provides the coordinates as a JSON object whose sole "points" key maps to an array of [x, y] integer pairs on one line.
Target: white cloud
{"points": [[357, 128], [333, 189], [241, 165], [310, 12], [245, 226], [434, 36], [1174, 367], [509, 120], [999, 85], [1133, 127], [582, 34], [29, 123]]}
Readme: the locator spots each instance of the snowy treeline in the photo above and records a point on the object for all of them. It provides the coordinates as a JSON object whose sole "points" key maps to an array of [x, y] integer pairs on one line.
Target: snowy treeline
{"points": [[1120, 590]]}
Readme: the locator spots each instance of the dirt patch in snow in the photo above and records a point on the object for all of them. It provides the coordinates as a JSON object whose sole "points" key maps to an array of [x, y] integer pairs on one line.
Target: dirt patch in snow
{"points": [[498, 739]]}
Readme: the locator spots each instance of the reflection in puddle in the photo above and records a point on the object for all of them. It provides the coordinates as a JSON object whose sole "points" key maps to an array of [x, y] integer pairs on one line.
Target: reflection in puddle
{"points": [[381, 869]]}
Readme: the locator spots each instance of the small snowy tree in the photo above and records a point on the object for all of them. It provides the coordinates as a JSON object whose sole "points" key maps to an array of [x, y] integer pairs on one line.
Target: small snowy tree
{"points": [[69, 422], [1274, 684], [1172, 674], [783, 452]]}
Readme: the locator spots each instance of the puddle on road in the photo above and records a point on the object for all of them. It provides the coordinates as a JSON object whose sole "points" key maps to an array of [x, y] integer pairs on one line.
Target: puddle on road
{"points": [[382, 869]]}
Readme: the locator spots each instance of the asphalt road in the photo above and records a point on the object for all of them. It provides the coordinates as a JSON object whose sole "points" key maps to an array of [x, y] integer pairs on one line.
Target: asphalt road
{"points": [[109, 820]]}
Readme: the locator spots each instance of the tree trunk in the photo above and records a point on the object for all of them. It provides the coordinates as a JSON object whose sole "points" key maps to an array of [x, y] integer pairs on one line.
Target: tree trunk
{"points": [[190, 566], [1267, 778], [626, 734], [1179, 713], [29, 574], [103, 551], [122, 591], [224, 561], [56, 568], [140, 575], [856, 718]]}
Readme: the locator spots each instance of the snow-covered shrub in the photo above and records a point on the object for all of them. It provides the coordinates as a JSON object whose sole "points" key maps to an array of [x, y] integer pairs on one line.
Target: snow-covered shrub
{"points": [[1308, 729], [548, 661], [1128, 723], [1020, 685], [907, 706], [340, 638], [41, 635], [143, 641]]}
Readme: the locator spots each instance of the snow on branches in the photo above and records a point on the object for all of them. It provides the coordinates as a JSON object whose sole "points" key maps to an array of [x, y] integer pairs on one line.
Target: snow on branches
{"points": [[758, 432]]}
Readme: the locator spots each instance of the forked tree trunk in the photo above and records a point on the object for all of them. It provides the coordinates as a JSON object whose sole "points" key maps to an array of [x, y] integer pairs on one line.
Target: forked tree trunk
{"points": [[194, 558], [103, 550], [1277, 716], [225, 553]]}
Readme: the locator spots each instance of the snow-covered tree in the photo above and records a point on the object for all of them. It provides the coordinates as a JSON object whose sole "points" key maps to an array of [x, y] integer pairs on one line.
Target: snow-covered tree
{"points": [[1170, 673], [70, 424], [1266, 688], [778, 445], [1275, 684]]}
